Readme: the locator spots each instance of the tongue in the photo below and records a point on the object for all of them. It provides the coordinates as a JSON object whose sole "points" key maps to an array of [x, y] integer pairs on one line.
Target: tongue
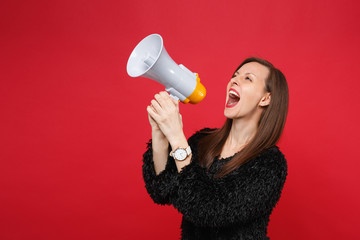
{"points": [[232, 100]]}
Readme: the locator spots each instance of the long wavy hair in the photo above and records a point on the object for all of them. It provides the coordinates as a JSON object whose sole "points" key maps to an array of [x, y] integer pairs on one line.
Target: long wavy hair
{"points": [[270, 125]]}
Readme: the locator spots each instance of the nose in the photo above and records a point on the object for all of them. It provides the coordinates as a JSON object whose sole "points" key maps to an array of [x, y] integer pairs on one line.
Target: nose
{"points": [[234, 81]]}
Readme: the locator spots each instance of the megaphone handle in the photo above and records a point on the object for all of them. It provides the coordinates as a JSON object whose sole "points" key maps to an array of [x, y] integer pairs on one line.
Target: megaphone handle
{"points": [[174, 97], [175, 94]]}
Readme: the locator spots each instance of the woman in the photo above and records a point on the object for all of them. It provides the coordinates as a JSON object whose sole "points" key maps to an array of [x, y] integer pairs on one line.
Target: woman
{"points": [[224, 181]]}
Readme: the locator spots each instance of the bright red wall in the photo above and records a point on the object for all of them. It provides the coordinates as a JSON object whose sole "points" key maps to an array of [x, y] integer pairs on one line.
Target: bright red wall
{"points": [[74, 126]]}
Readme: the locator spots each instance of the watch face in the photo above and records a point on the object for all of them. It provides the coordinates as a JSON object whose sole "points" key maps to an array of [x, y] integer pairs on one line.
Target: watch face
{"points": [[180, 154]]}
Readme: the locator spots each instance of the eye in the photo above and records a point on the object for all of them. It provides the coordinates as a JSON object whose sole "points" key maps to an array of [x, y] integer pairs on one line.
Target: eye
{"points": [[248, 78]]}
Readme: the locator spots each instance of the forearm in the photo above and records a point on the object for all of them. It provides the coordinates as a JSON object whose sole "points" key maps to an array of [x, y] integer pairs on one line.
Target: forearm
{"points": [[160, 146]]}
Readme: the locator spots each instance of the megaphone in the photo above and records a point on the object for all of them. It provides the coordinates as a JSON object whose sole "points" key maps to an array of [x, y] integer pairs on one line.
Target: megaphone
{"points": [[149, 59]]}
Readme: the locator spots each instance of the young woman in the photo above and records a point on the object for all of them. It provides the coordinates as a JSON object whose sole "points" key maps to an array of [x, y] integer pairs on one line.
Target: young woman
{"points": [[224, 181]]}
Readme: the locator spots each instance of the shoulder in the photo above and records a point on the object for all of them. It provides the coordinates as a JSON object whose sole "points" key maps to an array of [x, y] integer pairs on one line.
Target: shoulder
{"points": [[272, 159], [274, 154]]}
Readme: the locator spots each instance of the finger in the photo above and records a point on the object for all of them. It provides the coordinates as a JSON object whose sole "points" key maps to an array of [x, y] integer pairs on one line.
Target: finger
{"points": [[173, 100], [156, 106], [151, 120], [149, 116], [153, 108], [164, 100], [153, 114], [176, 102], [181, 122], [153, 123]]}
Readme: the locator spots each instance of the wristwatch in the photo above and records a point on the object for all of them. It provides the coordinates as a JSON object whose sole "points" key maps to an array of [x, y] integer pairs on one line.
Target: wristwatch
{"points": [[180, 154]]}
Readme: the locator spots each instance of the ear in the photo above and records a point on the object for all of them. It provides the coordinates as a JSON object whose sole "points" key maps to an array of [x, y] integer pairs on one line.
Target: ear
{"points": [[265, 100]]}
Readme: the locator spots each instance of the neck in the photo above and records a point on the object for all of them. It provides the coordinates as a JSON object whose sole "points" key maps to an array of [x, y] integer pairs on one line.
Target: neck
{"points": [[242, 131]]}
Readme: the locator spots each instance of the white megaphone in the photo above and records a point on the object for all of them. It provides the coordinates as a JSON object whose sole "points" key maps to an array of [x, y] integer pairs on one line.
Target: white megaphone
{"points": [[149, 59]]}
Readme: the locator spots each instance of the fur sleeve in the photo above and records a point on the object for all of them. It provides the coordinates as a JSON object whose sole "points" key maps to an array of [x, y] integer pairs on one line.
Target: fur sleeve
{"points": [[158, 186], [236, 198]]}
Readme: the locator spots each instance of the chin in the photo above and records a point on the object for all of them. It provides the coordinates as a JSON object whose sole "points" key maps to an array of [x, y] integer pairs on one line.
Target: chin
{"points": [[228, 115]]}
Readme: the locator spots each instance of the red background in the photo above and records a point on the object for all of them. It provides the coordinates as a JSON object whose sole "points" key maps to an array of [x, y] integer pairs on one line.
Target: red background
{"points": [[74, 125]]}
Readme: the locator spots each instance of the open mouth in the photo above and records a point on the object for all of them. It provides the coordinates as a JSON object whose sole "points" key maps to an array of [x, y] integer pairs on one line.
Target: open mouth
{"points": [[234, 98]]}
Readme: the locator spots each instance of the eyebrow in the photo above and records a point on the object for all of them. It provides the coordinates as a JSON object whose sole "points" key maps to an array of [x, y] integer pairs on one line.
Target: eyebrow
{"points": [[246, 73]]}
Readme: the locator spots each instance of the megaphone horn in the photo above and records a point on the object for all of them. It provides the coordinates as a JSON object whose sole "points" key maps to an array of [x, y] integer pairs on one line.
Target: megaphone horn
{"points": [[149, 59]]}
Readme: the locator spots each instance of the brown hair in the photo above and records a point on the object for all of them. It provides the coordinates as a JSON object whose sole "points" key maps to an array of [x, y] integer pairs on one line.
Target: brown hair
{"points": [[270, 125]]}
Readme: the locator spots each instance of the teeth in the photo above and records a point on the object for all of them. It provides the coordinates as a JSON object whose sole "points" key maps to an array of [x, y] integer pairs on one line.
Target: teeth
{"points": [[234, 93]]}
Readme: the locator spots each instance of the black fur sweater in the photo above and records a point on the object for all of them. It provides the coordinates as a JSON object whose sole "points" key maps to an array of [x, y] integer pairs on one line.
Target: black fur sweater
{"points": [[237, 206]]}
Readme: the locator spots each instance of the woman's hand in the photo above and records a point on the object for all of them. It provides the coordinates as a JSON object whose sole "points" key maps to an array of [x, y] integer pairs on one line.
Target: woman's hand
{"points": [[164, 115], [164, 111], [153, 124]]}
